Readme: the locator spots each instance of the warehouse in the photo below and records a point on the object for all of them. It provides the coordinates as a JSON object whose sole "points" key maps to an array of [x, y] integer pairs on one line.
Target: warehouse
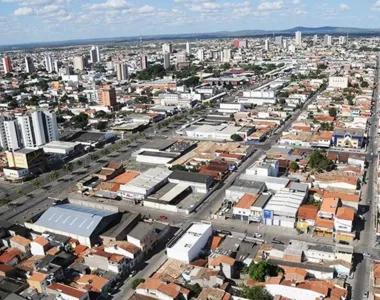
{"points": [[187, 246], [282, 208], [272, 183], [240, 187], [200, 183], [82, 223], [216, 132], [145, 184], [60, 147], [156, 157], [93, 139]]}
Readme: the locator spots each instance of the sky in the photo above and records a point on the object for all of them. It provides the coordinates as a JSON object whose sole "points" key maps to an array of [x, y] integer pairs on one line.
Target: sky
{"points": [[26, 21]]}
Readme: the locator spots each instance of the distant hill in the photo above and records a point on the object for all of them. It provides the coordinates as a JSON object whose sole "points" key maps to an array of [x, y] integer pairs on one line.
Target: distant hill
{"points": [[352, 31]]}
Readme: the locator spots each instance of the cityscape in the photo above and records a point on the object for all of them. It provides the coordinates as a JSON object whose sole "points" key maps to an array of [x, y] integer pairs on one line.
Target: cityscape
{"points": [[192, 167]]}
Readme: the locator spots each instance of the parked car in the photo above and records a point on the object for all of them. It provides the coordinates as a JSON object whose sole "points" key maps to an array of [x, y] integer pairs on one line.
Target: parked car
{"points": [[163, 218], [275, 241], [366, 254], [344, 242], [257, 235], [365, 294]]}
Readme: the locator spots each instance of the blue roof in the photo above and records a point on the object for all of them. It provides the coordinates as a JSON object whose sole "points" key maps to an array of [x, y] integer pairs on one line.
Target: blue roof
{"points": [[72, 218]]}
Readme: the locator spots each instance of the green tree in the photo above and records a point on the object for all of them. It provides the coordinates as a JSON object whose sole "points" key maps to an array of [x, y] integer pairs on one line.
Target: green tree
{"points": [[36, 182], [101, 125], [364, 84], [236, 137], [294, 166], [20, 192], [53, 175], [332, 112], [12, 104], [256, 293], [319, 162], [136, 282], [69, 167], [192, 81], [259, 271], [82, 99], [79, 121], [195, 289]]}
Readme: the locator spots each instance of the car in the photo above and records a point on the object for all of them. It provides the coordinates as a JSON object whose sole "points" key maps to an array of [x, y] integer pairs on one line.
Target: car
{"points": [[257, 235], [365, 294], [366, 254], [163, 218], [132, 273], [344, 243], [340, 276], [275, 241]]}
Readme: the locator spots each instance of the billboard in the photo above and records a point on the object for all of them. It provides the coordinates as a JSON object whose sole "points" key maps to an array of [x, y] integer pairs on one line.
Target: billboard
{"points": [[268, 214]]}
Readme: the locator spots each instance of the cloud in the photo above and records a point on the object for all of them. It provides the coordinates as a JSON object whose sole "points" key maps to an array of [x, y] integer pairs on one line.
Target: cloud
{"points": [[296, 2], [108, 5], [277, 5], [376, 5], [344, 7], [300, 12], [23, 11], [192, 1]]}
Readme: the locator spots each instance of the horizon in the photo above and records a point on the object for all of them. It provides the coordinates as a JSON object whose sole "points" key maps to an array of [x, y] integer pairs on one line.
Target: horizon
{"points": [[41, 21]]}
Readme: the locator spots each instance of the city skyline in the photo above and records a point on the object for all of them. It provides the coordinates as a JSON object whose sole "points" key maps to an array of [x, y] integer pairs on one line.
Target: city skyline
{"points": [[58, 20]]}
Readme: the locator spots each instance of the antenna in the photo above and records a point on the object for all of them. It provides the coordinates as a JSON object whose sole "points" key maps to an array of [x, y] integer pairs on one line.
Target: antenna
{"points": [[141, 45]]}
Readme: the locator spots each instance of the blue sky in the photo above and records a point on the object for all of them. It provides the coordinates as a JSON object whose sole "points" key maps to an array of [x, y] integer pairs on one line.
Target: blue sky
{"points": [[24, 21]]}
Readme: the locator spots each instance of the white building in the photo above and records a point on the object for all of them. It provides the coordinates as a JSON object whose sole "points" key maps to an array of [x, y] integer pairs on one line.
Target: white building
{"points": [[145, 184], [338, 82], [264, 168], [167, 48], [230, 107], [298, 38], [266, 45], [201, 54], [260, 97], [327, 40], [60, 147], [226, 55], [188, 48], [181, 57], [48, 64], [187, 246], [12, 135], [315, 38], [293, 292], [78, 63]]}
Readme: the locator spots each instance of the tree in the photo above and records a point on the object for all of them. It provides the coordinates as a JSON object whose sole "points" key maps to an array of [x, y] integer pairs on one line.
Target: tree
{"points": [[101, 125], [364, 84], [100, 114], [79, 121], [236, 137], [332, 112], [319, 162], [53, 175], [20, 192], [195, 289], [192, 81], [136, 282], [256, 293], [294, 166], [36, 182], [82, 99], [69, 167], [183, 169], [259, 271], [13, 104]]}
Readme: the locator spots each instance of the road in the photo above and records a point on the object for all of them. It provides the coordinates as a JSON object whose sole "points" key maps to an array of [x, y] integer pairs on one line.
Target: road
{"points": [[361, 282]]}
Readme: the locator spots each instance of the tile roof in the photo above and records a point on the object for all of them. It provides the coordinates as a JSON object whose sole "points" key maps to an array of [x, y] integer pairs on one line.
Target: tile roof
{"points": [[215, 241], [10, 254], [247, 201], [92, 282], [41, 240], [67, 290], [345, 213], [20, 240], [37, 276], [307, 212], [319, 222], [329, 205], [125, 177], [222, 259]]}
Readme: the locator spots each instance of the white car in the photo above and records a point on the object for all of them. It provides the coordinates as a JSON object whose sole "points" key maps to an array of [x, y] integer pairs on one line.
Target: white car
{"points": [[257, 235]]}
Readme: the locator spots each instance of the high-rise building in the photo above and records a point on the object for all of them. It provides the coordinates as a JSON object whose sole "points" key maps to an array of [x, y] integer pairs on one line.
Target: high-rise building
{"points": [[267, 45], [226, 55], [342, 40], [56, 66], [201, 54], [315, 38], [38, 128], [327, 40], [9, 135], [292, 49], [278, 40], [107, 96], [78, 63], [7, 64], [48, 64], [166, 60], [285, 44], [143, 62], [240, 43], [121, 71], [188, 48], [167, 48], [94, 54], [29, 66], [298, 38], [181, 57]]}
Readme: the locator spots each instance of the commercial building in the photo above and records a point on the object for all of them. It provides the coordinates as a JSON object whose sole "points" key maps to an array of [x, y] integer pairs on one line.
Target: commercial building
{"points": [[121, 71], [143, 62], [187, 246], [31, 159], [7, 64], [348, 138], [94, 54], [145, 184], [82, 223], [107, 96], [29, 66], [60, 147], [282, 208], [217, 132]]}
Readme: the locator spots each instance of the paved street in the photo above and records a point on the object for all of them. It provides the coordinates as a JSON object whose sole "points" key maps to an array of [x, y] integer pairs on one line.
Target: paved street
{"points": [[361, 282]]}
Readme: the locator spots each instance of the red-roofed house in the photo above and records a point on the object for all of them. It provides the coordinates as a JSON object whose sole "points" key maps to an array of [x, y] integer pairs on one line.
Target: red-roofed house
{"points": [[39, 246], [161, 290], [223, 263], [67, 292], [306, 216]]}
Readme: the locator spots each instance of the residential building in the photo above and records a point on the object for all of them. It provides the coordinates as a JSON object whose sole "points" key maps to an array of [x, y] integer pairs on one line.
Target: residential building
{"points": [[161, 290], [143, 62], [327, 40], [166, 60], [278, 40], [344, 219], [21, 243], [39, 246], [94, 54], [121, 71], [338, 82], [79, 63], [298, 38], [10, 135], [107, 96], [167, 47], [49, 64], [7, 64], [143, 235], [29, 66], [201, 55], [67, 292], [39, 281], [306, 216], [188, 48]]}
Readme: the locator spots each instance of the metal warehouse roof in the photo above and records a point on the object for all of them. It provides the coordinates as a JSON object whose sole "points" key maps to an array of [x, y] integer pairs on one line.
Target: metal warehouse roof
{"points": [[73, 219]]}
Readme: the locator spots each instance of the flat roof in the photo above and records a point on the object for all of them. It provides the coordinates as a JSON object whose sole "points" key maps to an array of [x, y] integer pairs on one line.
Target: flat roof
{"points": [[174, 192], [159, 154], [190, 237], [285, 203], [148, 179], [158, 144], [26, 150], [60, 145], [265, 179], [305, 266], [73, 218], [190, 177]]}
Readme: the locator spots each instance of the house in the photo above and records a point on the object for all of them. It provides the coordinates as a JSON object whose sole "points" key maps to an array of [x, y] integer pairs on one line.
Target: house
{"points": [[39, 246], [319, 253], [329, 208], [242, 209], [21, 243], [67, 292], [143, 236], [110, 171], [306, 216], [348, 138], [344, 219], [336, 179], [225, 264], [107, 261], [93, 284], [39, 281], [11, 257], [124, 248], [161, 290]]}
